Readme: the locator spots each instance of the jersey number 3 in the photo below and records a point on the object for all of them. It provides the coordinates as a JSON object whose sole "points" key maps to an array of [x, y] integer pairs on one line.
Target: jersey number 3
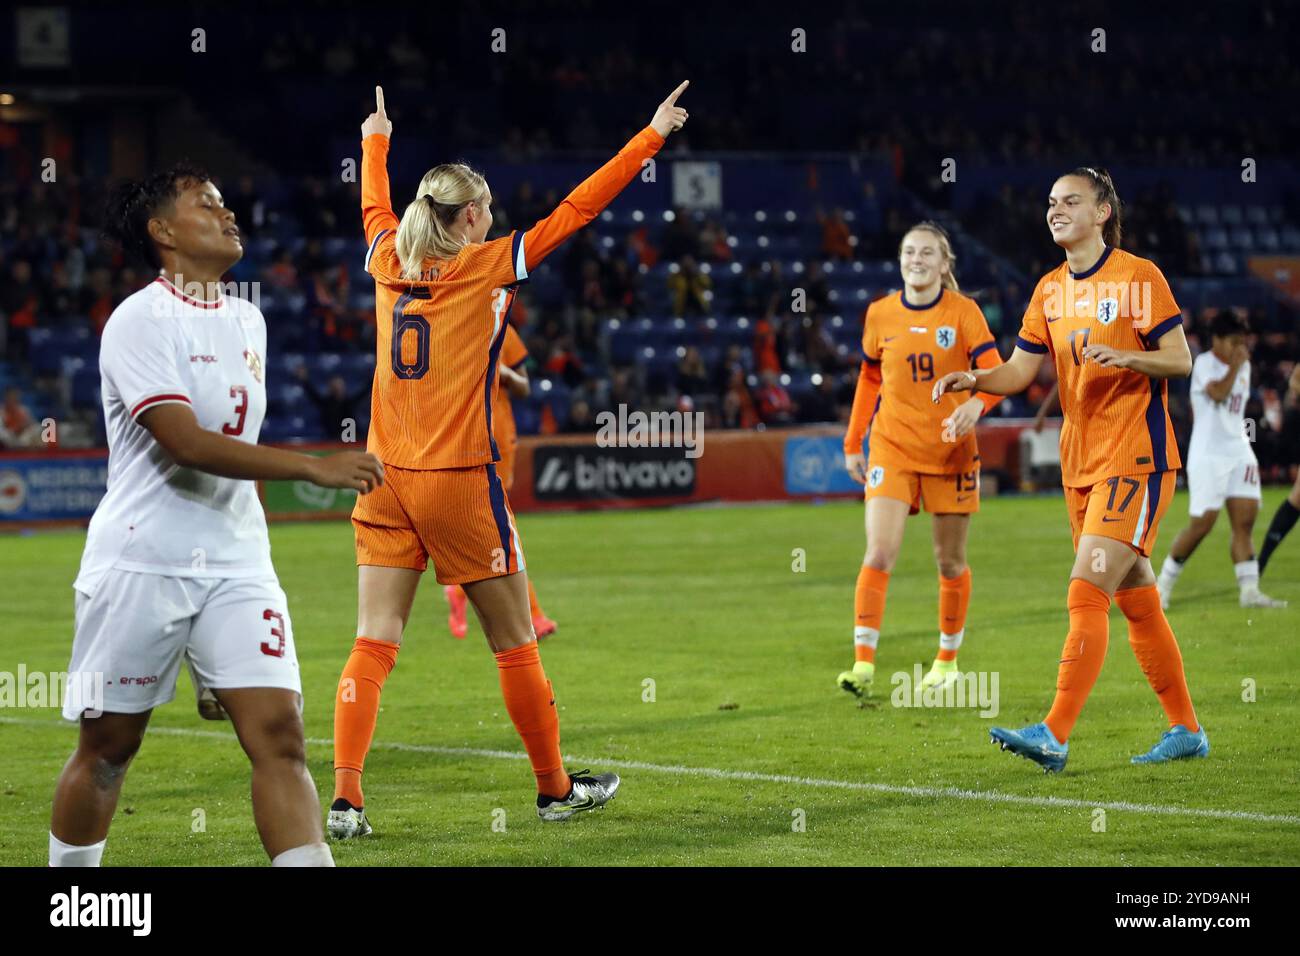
{"points": [[241, 411]]}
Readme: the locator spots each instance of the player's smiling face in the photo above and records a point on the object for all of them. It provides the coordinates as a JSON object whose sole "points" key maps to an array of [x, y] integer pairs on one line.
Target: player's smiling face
{"points": [[921, 260], [202, 228], [1072, 211]]}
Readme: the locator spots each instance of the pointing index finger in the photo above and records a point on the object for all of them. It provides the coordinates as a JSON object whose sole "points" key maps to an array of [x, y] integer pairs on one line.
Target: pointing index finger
{"points": [[379, 99], [672, 97]]}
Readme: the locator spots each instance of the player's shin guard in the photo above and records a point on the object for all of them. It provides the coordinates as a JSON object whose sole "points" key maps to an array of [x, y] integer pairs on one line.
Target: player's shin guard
{"points": [[531, 705], [1157, 652], [356, 708], [1082, 656], [954, 598], [868, 611]]}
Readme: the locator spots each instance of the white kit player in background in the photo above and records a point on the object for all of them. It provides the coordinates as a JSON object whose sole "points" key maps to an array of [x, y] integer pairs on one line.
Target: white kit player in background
{"points": [[1222, 470], [177, 563]]}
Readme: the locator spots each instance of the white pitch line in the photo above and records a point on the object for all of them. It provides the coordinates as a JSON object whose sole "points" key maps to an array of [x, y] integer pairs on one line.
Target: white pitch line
{"points": [[714, 773]]}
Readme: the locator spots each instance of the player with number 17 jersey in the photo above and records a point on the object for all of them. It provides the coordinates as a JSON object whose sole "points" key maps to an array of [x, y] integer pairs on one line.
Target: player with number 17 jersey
{"points": [[1117, 440]]}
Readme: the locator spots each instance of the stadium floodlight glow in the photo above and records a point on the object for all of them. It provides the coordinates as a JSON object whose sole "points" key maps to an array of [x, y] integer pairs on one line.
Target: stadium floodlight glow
{"points": [[545, 384], [638, 215], [735, 268], [816, 378], [6, 99], [669, 215]]}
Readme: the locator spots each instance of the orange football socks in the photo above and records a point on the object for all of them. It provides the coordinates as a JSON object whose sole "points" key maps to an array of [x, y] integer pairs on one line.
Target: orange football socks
{"points": [[868, 612], [356, 708], [1157, 652], [1082, 656], [530, 703], [954, 598]]}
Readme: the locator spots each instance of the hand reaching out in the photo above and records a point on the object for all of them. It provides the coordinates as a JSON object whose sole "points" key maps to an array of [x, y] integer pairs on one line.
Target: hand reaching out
{"points": [[669, 116], [377, 122]]}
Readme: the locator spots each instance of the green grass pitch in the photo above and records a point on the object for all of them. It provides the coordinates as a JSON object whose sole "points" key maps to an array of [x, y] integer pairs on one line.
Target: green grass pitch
{"points": [[743, 652]]}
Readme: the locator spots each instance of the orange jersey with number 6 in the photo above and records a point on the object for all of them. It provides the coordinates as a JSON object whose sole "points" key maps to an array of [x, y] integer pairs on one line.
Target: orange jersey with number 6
{"points": [[439, 336]]}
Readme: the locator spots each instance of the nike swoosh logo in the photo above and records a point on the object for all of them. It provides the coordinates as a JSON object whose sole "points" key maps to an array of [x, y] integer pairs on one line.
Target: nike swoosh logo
{"points": [[890, 338], [962, 497], [591, 802], [1109, 520], [1053, 320]]}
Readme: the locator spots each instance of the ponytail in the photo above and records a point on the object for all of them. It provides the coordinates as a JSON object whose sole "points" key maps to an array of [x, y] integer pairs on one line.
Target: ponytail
{"points": [[425, 231], [1112, 230]]}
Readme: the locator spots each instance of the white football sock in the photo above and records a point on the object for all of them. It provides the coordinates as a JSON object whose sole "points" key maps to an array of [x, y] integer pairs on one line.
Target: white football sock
{"points": [[312, 854], [951, 642], [1247, 575], [865, 637], [1171, 569], [65, 854]]}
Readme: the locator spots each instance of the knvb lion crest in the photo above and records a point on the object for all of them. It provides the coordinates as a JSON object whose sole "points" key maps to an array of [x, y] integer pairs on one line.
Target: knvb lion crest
{"points": [[875, 477], [254, 363], [1107, 311], [945, 336]]}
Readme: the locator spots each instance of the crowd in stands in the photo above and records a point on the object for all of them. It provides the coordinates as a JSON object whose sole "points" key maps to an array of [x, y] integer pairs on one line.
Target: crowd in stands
{"points": [[683, 311], [778, 363]]}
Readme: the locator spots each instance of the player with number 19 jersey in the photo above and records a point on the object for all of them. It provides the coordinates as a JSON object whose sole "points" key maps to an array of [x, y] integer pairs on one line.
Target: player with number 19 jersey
{"points": [[905, 348], [1118, 451]]}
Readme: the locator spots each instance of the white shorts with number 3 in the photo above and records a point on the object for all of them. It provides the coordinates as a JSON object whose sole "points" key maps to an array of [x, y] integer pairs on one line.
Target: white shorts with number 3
{"points": [[136, 628]]}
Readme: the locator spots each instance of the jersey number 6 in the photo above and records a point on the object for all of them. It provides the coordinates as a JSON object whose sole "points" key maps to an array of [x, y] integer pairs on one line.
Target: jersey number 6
{"points": [[402, 324]]}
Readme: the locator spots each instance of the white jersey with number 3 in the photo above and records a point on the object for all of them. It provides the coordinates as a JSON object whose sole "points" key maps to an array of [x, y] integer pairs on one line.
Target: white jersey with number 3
{"points": [[161, 346], [1217, 429]]}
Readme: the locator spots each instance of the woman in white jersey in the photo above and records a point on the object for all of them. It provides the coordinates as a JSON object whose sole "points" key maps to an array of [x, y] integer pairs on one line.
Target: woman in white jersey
{"points": [[177, 560], [1222, 471]]}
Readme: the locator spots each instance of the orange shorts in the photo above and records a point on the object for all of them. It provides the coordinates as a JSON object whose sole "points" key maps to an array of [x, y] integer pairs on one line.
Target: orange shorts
{"points": [[458, 517], [941, 494], [1127, 508]]}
